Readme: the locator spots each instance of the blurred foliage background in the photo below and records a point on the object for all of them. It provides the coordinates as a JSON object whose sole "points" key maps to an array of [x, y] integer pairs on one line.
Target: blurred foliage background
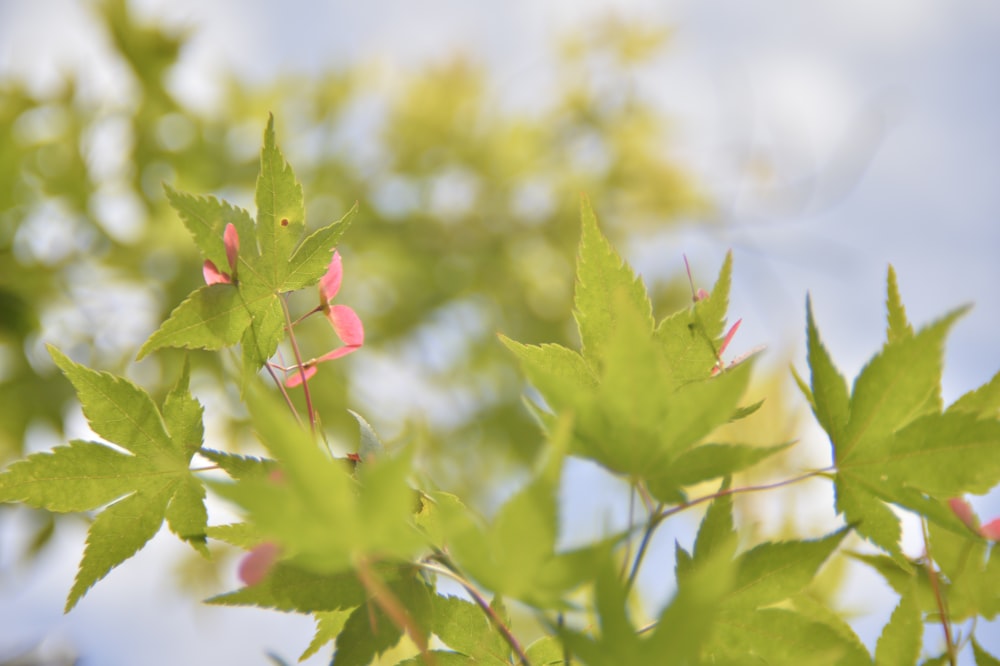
{"points": [[468, 226]]}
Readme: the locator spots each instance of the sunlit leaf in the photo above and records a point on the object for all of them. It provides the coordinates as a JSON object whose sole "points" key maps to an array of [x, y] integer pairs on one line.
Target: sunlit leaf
{"points": [[898, 327], [212, 317], [601, 277], [146, 483], [900, 640], [312, 256], [280, 211]]}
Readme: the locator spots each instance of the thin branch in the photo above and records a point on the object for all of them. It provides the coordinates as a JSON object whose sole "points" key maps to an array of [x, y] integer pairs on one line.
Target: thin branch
{"points": [[445, 570], [316, 309], [284, 393], [647, 535], [938, 597], [647, 498], [663, 515], [298, 361], [628, 543]]}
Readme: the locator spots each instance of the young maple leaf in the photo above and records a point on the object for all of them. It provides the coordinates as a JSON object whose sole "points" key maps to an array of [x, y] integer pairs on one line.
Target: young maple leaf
{"points": [[345, 322], [149, 481], [701, 295]]}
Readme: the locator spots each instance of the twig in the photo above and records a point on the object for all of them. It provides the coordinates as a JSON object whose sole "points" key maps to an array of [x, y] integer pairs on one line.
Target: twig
{"points": [[298, 361], [647, 535], [663, 515], [445, 570], [316, 309], [936, 588], [628, 543], [284, 393], [659, 514]]}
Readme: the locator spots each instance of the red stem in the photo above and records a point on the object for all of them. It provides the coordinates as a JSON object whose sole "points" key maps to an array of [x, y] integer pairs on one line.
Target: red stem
{"points": [[298, 361], [938, 597]]}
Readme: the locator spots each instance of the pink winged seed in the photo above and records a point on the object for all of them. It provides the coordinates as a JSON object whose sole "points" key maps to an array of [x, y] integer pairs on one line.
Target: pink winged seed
{"points": [[213, 275], [211, 272], [963, 510], [991, 530], [296, 377], [344, 320], [347, 325], [231, 239], [329, 284], [729, 336], [256, 564]]}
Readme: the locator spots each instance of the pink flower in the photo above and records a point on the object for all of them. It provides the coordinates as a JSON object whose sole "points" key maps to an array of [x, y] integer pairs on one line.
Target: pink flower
{"points": [[231, 239], [345, 322], [962, 509], [256, 564]]}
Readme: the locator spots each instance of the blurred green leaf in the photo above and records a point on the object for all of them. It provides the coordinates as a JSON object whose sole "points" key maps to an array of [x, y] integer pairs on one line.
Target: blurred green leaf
{"points": [[900, 641], [151, 481]]}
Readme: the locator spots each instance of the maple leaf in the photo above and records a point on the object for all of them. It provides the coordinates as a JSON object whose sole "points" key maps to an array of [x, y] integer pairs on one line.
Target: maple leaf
{"points": [[270, 256], [144, 482], [643, 394], [891, 442]]}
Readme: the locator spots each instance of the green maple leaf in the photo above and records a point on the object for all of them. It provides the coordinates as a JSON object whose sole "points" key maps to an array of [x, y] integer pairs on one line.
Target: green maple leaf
{"points": [[746, 623], [515, 554], [891, 442], [368, 631], [775, 571], [691, 338], [897, 325], [206, 219], [329, 624], [272, 259], [725, 613], [716, 535], [901, 637], [642, 397], [605, 287], [982, 657], [706, 462], [212, 317], [145, 483], [322, 515], [280, 210], [983, 402], [546, 651], [680, 634], [783, 636], [971, 570], [291, 588], [462, 626]]}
